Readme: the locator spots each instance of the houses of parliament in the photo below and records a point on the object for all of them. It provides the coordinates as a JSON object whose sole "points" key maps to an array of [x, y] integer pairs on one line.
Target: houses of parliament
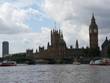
{"points": [[57, 50]]}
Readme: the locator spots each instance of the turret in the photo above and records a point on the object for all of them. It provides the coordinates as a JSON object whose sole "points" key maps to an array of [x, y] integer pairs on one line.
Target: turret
{"points": [[48, 45], [77, 45], [41, 49]]}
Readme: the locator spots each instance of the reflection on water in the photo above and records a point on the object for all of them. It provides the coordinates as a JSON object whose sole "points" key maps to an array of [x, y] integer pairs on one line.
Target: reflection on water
{"points": [[55, 74]]}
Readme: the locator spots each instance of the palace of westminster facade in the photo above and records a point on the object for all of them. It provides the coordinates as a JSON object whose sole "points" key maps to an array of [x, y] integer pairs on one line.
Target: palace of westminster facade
{"points": [[58, 50]]}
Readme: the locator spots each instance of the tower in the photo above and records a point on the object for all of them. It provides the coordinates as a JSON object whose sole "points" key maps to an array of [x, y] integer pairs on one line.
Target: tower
{"points": [[93, 33], [57, 39], [5, 48], [77, 45]]}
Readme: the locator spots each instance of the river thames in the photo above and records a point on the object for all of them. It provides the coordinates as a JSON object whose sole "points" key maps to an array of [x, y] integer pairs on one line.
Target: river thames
{"points": [[55, 74]]}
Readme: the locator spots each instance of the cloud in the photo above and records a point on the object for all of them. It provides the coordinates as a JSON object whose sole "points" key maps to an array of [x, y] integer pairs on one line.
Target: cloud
{"points": [[21, 42], [74, 17], [22, 3], [14, 28], [14, 19]]}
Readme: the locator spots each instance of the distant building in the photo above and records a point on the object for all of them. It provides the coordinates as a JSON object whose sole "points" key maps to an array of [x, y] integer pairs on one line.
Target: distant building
{"points": [[57, 49], [93, 33], [5, 48], [29, 52], [106, 47]]}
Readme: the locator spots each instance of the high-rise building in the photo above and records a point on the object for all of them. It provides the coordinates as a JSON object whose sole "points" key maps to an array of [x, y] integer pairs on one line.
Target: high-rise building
{"points": [[93, 33], [5, 48]]}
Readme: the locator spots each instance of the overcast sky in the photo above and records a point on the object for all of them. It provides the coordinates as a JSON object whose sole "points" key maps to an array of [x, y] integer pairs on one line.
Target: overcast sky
{"points": [[27, 23]]}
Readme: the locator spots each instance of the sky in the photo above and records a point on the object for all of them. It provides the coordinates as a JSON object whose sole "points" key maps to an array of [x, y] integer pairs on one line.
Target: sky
{"points": [[26, 24]]}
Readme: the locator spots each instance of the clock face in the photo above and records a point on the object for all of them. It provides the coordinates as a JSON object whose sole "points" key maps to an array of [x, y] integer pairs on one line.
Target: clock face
{"points": [[95, 30]]}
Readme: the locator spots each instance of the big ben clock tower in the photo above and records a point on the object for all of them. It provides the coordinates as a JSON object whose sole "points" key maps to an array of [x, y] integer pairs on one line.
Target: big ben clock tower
{"points": [[93, 33]]}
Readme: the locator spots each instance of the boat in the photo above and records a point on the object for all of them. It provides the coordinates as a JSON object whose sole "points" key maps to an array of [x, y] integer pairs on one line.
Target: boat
{"points": [[8, 63], [76, 63], [104, 61]]}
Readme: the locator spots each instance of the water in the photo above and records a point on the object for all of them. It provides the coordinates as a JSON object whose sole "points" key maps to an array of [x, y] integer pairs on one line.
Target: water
{"points": [[55, 74]]}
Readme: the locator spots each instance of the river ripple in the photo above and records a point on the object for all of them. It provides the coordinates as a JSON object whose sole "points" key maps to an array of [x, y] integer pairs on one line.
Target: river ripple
{"points": [[55, 74]]}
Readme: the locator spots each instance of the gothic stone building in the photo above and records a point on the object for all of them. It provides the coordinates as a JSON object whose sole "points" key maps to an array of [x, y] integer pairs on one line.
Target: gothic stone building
{"points": [[58, 51], [106, 48]]}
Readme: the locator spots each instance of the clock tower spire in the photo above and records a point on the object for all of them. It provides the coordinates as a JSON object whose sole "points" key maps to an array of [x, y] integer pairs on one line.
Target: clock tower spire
{"points": [[93, 33]]}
